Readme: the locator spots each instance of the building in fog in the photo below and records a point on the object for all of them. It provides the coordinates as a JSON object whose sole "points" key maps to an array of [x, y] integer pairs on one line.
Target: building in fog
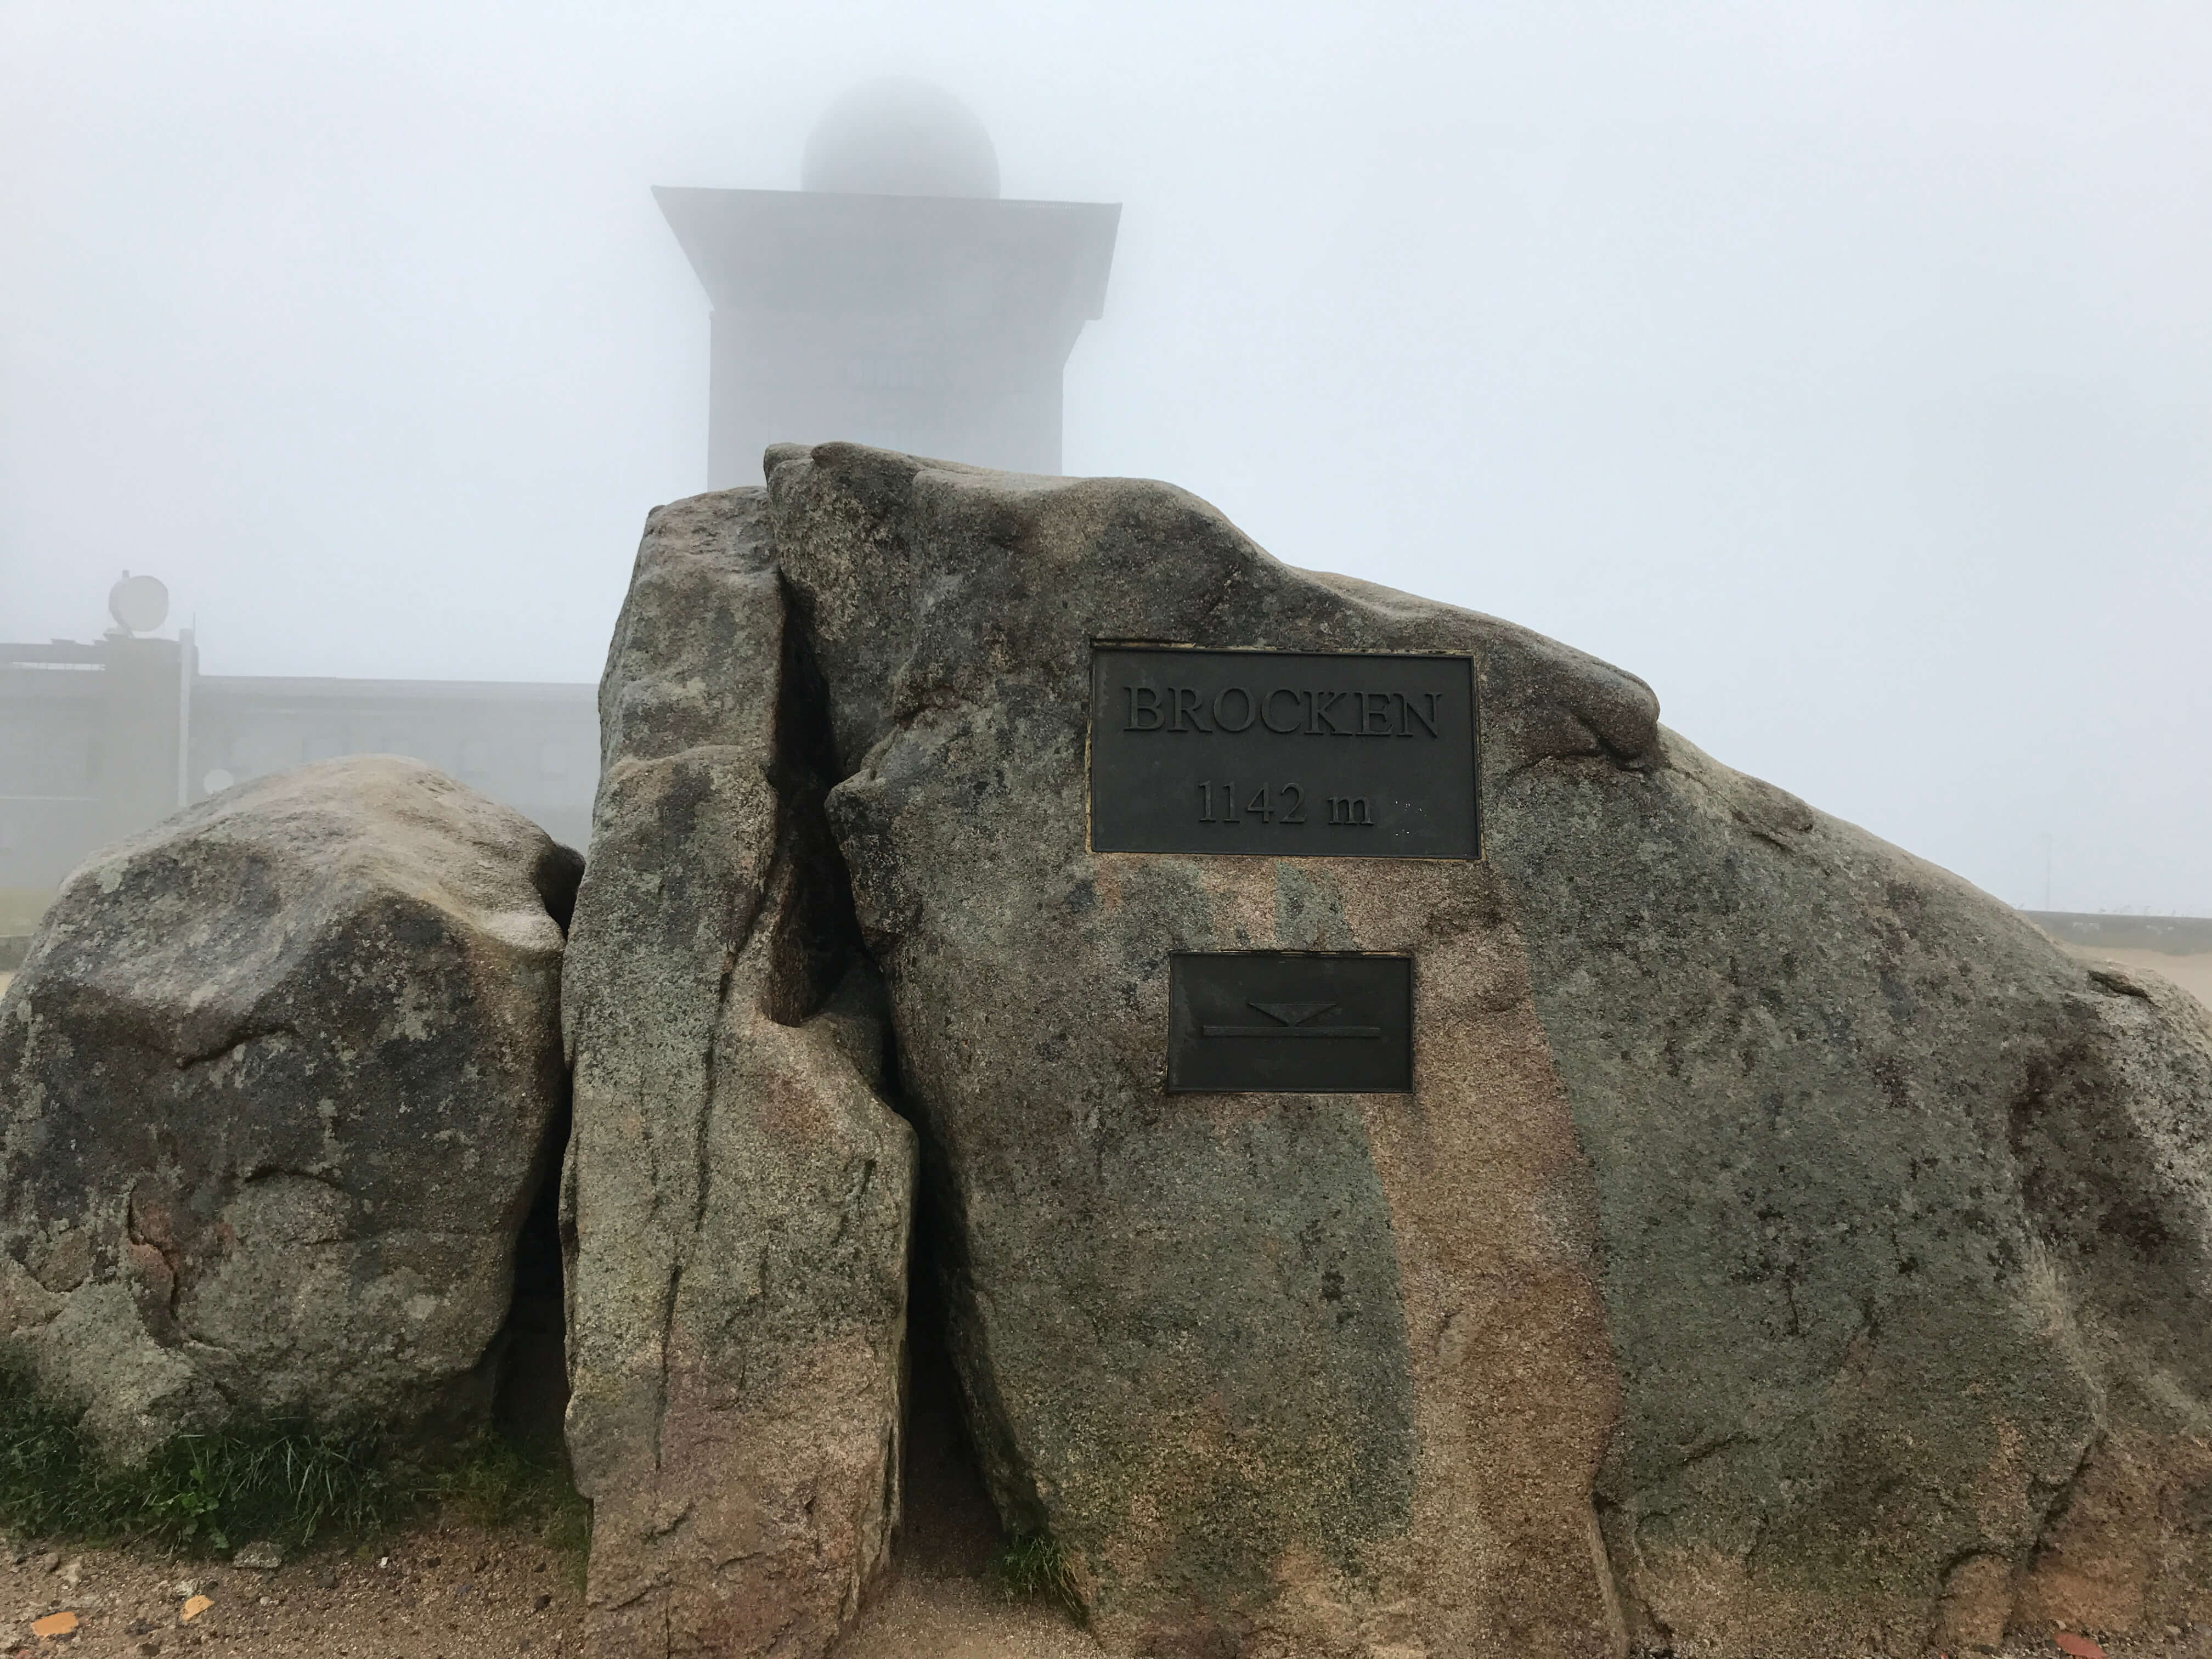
{"points": [[533, 745], [894, 299], [99, 740], [93, 746]]}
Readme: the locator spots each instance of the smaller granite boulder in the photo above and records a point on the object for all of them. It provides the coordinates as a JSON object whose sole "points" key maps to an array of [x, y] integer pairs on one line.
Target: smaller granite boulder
{"points": [[278, 1082], [739, 1193]]}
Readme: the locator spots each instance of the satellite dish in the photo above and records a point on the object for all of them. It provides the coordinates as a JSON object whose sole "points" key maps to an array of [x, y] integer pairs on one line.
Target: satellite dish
{"points": [[140, 604]]}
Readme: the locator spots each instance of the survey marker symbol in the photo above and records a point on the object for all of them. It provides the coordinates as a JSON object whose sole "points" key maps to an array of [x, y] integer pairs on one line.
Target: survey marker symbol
{"points": [[1291, 1021], [1291, 1014]]}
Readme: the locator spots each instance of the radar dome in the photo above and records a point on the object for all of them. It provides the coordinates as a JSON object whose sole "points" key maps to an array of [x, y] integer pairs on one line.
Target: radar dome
{"points": [[138, 603], [900, 138]]}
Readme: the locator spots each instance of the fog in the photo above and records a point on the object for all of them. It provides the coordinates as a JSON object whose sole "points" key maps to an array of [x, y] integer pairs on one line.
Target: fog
{"points": [[1846, 371]]}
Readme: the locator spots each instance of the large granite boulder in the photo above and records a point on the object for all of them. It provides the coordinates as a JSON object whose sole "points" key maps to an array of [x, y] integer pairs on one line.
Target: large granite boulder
{"points": [[1783, 1249], [1282, 1375], [738, 1195], [278, 1082]]}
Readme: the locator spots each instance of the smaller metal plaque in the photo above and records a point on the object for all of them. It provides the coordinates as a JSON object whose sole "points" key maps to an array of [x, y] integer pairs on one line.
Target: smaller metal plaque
{"points": [[1289, 1021]]}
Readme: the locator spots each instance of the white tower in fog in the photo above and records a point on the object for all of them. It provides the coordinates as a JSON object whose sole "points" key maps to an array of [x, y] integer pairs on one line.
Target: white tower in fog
{"points": [[894, 299]]}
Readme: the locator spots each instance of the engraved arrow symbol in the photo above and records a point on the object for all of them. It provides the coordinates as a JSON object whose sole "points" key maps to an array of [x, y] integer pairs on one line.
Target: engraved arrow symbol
{"points": [[1291, 1014], [1293, 1017]]}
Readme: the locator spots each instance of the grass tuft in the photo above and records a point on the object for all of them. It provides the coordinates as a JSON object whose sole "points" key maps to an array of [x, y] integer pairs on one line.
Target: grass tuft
{"points": [[285, 1483], [288, 1484], [1034, 1567], [43, 1488]]}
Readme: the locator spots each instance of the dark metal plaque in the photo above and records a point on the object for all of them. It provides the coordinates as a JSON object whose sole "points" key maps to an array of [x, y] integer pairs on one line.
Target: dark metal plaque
{"points": [[1285, 754], [1289, 1021]]}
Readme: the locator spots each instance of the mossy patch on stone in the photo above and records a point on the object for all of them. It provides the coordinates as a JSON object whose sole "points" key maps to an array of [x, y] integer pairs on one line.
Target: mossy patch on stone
{"points": [[291, 1486]]}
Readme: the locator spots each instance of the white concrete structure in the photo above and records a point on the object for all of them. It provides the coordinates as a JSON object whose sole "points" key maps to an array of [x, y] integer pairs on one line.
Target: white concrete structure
{"points": [[895, 300], [100, 740]]}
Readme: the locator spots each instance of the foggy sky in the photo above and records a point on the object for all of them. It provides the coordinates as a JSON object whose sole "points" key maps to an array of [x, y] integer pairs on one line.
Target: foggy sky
{"points": [[1846, 371]]}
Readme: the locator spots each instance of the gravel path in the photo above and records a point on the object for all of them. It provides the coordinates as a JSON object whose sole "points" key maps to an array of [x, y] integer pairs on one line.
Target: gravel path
{"points": [[451, 1592], [442, 1592]]}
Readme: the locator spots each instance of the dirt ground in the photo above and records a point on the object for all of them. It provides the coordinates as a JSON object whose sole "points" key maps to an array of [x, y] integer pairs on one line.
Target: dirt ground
{"points": [[448, 1592], [943, 1599], [456, 1591], [462, 1593], [439, 1592], [442, 1593]]}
